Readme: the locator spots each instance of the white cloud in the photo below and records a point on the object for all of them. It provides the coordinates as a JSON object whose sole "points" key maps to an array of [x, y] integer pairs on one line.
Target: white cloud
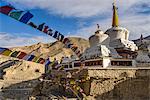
{"points": [[9, 40], [128, 12], [76, 8], [136, 24]]}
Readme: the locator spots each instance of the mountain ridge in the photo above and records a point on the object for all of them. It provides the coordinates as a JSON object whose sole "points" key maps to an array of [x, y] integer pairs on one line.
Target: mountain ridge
{"points": [[53, 50]]}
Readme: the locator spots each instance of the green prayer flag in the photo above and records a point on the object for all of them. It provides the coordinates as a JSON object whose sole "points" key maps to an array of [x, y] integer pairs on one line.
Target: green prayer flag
{"points": [[14, 54], [16, 15]]}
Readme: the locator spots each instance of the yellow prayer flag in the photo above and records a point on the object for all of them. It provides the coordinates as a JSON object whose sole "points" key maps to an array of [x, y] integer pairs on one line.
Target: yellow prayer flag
{"points": [[78, 88], [72, 82], [35, 59], [7, 52]]}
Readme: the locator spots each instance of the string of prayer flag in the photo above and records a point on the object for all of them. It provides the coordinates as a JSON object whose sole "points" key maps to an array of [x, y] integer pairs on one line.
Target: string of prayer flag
{"points": [[24, 56], [45, 29]]}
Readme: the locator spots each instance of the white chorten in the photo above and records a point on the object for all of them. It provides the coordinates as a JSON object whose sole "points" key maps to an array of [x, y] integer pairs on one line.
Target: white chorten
{"points": [[118, 35], [99, 38], [99, 47], [143, 52]]}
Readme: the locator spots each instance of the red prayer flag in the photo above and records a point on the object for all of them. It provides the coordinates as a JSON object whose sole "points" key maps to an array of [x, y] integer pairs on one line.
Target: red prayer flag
{"points": [[46, 29], [21, 55], [65, 40], [5, 9], [42, 61]]}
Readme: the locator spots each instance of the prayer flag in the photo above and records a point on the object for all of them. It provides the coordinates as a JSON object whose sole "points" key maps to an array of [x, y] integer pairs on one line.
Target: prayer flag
{"points": [[38, 61], [7, 52], [26, 17], [78, 88], [65, 40], [40, 27], [68, 45], [56, 35], [35, 59], [74, 48], [16, 15], [31, 58], [26, 57], [42, 61], [5, 9], [14, 54], [47, 62], [77, 51], [32, 25], [21, 55], [72, 82], [79, 55], [60, 37], [52, 63], [50, 32], [46, 29]]}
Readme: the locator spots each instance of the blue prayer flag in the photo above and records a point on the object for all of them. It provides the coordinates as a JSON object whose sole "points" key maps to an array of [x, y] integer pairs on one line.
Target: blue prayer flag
{"points": [[56, 34], [40, 27], [47, 62], [31, 58], [26, 17]]}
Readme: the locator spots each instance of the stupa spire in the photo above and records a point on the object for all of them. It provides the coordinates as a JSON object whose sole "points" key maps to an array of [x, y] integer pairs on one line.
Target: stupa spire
{"points": [[115, 20]]}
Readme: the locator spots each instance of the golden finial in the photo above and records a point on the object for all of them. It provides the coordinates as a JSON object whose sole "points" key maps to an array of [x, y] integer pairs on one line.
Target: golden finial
{"points": [[115, 21]]}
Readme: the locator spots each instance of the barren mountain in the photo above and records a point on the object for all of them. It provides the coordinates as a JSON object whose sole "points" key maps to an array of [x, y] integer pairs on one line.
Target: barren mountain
{"points": [[12, 68], [53, 50]]}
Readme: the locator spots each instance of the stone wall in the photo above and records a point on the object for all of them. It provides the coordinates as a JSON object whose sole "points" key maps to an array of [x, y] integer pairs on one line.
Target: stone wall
{"points": [[119, 84], [16, 89], [103, 84]]}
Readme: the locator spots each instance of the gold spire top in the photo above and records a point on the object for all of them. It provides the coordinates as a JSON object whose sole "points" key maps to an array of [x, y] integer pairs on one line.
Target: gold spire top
{"points": [[115, 20]]}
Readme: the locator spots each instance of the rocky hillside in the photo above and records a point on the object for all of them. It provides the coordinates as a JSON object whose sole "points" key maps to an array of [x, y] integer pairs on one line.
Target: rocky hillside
{"points": [[12, 68], [53, 50], [20, 75]]}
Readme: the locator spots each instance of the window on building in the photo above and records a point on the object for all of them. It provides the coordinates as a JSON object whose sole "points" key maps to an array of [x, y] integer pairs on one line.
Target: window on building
{"points": [[121, 63]]}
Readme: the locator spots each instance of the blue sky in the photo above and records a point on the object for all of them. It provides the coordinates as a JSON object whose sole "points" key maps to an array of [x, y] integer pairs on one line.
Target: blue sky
{"points": [[72, 18]]}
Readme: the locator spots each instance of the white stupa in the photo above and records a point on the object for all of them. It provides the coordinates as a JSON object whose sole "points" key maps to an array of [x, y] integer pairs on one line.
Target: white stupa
{"points": [[118, 35], [143, 52], [112, 48], [99, 38], [99, 46]]}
